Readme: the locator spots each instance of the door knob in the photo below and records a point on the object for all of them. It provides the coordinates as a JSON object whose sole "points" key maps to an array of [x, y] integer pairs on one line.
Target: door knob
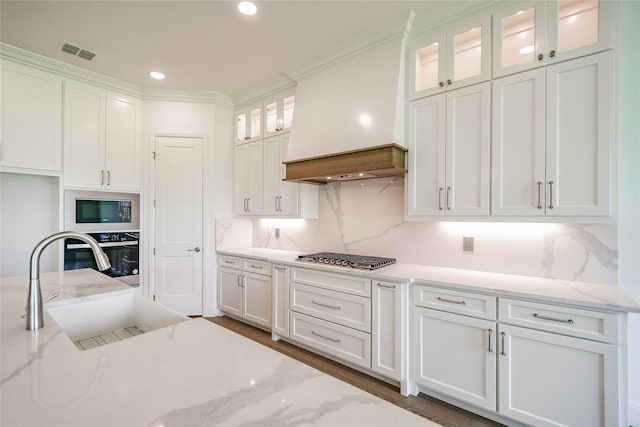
{"points": [[196, 249]]}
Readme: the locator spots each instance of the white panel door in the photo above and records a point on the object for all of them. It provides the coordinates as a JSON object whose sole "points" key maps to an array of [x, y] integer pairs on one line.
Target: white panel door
{"points": [[178, 223], [123, 142], [257, 298], [553, 380], [455, 355], [427, 141], [518, 152], [579, 136], [468, 150]]}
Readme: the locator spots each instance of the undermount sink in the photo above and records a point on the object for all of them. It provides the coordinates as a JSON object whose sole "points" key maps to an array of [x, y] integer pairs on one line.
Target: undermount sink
{"points": [[104, 318]]}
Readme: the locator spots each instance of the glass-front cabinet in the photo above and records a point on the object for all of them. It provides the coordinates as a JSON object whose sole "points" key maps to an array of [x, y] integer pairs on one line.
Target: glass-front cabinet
{"points": [[278, 113], [531, 34], [452, 59], [249, 124]]}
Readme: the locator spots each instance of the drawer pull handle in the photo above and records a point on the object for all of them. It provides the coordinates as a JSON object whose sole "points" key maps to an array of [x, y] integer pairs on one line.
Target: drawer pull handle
{"points": [[333, 307], [502, 352], [279, 268], [326, 338], [490, 333], [259, 267], [226, 261], [381, 285], [569, 321], [452, 301]]}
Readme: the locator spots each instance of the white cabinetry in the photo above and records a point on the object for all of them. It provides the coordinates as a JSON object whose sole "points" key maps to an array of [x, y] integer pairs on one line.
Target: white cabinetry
{"points": [[449, 153], [280, 198], [331, 313], [244, 289], [548, 379], [31, 119], [278, 112], [103, 139], [452, 353], [249, 123], [457, 57], [552, 140], [533, 33], [280, 304], [388, 328], [248, 178]]}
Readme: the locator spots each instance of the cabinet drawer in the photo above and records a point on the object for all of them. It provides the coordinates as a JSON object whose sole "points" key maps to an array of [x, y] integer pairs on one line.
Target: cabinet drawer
{"points": [[257, 266], [345, 309], [344, 343], [230, 261], [575, 322], [337, 282], [470, 304]]}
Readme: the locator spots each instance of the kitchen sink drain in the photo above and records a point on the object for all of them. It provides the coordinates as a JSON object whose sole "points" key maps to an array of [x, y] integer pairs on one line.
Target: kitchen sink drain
{"points": [[107, 338]]}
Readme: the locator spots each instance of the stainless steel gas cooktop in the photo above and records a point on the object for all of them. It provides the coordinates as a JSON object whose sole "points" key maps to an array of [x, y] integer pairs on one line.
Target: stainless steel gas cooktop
{"points": [[347, 260]]}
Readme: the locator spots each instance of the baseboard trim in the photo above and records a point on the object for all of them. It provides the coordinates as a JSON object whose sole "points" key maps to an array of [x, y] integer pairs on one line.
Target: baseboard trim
{"points": [[634, 414]]}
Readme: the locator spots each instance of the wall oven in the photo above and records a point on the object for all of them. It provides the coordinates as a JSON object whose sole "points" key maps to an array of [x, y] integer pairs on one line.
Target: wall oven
{"points": [[122, 248]]}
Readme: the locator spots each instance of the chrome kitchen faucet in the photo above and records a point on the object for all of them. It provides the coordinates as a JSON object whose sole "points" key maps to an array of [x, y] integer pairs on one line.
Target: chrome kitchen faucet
{"points": [[34, 300]]}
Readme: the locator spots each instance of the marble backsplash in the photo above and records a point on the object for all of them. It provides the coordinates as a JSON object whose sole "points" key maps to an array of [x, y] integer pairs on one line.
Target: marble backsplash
{"points": [[367, 217]]}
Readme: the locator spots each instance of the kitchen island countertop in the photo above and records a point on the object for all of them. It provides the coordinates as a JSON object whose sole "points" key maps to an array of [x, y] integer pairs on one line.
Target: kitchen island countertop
{"points": [[597, 296], [193, 373]]}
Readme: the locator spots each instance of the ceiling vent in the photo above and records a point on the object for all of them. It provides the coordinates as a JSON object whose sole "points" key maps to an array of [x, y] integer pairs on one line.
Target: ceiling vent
{"points": [[76, 51]]}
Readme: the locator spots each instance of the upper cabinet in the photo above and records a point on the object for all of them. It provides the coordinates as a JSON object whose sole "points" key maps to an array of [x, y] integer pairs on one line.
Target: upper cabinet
{"points": [[31, 119], [249, 123], [532, 34], [451, 59], [278, 113], [103, 139]]}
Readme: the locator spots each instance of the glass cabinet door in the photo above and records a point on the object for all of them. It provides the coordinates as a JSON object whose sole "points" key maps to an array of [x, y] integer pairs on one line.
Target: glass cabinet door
{"points": [[255, 129], [288, 104], [241, 127], [430, 66], [271, 113], [278, 113], [519, 38], [578, 27]]}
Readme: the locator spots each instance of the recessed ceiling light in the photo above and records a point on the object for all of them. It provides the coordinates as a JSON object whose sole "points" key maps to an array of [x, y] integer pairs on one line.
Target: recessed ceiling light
{"points": [[247, 8], [156, 75]]}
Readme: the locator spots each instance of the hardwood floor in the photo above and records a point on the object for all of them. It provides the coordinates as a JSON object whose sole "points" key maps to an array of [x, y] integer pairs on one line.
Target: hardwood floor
{"points": [[430, 408]]}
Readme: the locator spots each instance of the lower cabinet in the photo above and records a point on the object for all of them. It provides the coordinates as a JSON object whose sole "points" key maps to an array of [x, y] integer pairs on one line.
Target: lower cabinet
{"points": [[388, 329], [280, 301], [538, 364], [244, 289]]}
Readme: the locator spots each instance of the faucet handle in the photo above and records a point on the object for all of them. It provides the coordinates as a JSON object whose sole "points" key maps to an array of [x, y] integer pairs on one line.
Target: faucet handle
{"points": [[49, 298]]}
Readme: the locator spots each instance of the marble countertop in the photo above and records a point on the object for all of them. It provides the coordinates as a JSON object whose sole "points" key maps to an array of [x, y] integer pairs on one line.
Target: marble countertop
{"points": [[194, 373], [582, 294]]}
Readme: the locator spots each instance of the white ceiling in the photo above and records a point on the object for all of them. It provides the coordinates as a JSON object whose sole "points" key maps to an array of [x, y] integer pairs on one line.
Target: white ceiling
{"points": [[199, 45]]}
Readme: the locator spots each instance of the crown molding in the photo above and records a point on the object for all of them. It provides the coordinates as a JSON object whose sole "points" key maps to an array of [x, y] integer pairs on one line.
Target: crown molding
{"points": [[188, 96], [263, 90], [386, 31]]}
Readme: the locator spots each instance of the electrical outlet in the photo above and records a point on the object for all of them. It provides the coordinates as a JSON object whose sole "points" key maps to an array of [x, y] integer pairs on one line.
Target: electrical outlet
{"points": [[277, 230], [467, 244]]}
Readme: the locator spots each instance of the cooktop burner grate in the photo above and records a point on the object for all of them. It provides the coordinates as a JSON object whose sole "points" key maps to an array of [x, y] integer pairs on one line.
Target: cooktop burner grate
{"points": [[347, 260]]}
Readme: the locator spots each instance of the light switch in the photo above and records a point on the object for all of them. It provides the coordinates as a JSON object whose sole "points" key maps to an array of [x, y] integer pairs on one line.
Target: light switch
{"points": [[467, 244]]}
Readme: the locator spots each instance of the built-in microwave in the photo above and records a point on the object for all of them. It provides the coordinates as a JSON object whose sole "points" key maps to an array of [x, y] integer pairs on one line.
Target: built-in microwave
{"points": [[101, 211]]}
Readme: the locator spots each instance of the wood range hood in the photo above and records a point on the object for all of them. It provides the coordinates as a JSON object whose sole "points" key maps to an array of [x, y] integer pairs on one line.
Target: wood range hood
{"points": [[374, 162]]}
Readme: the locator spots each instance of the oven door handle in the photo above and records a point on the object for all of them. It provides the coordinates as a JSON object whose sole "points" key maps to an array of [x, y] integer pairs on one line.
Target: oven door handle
{"points": [[102, 245]]}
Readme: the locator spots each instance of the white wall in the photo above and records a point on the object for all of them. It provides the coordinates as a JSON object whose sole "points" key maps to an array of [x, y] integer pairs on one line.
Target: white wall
{"points": [[629, 184], [215, 123], [29, 212]]}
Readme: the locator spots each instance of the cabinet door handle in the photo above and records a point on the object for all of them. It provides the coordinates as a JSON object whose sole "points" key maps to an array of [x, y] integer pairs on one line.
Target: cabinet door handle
{"points": [[240, 280], [440, 198], [101, 176], [552, 53], [108, 177], [539, 194], [550, 194], [249, 204], [441, 84], [569, 321], [452, 301], [540, 57], [382, 285], [490, 334], [448, 193], [325, 337], [333, 307], [503, 352], [196, 249], [449, 82]]}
